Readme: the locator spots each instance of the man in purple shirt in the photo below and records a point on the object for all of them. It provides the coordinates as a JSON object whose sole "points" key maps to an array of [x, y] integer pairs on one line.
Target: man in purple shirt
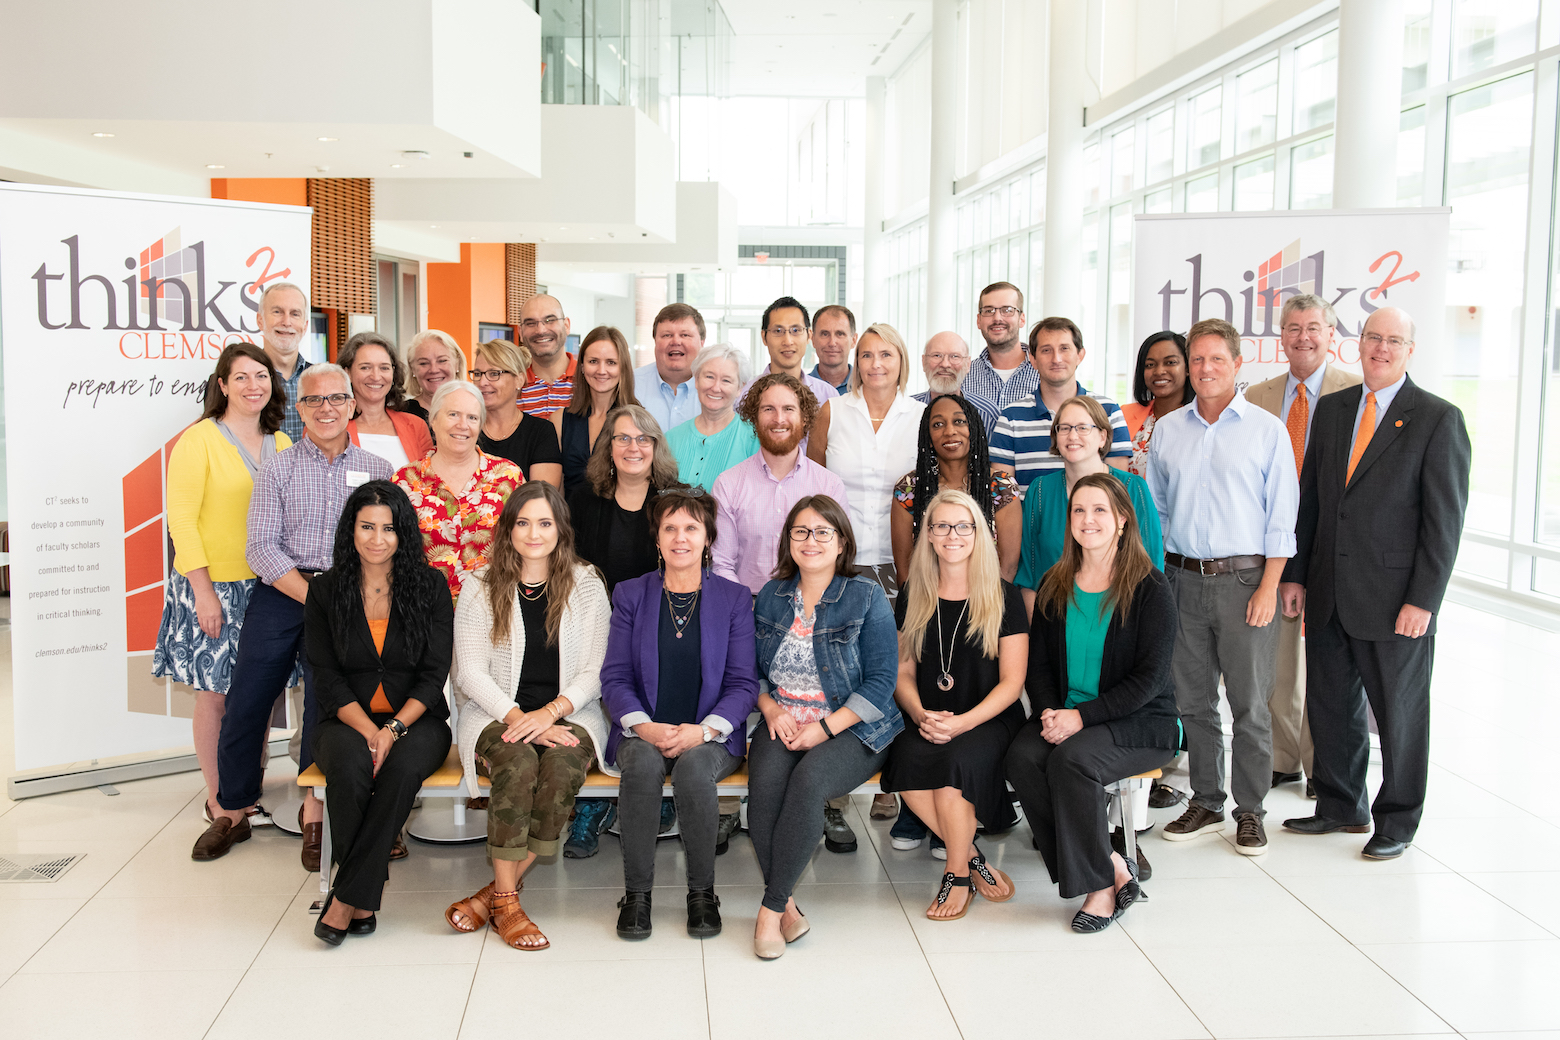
{"points": [[753, 498], [293, 513]]}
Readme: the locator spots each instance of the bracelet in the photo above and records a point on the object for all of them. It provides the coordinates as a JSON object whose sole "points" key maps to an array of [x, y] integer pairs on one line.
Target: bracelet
{"points": [[826, 728], [553, 710]]}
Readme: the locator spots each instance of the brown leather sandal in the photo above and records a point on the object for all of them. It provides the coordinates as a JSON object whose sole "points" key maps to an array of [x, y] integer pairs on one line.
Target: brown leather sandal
{"points": [[477, 908], [512, 924]]}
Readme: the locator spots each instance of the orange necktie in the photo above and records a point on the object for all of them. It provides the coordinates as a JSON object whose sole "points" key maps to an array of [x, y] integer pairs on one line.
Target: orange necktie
{"points": [[1299, 416], [1362, 439]]}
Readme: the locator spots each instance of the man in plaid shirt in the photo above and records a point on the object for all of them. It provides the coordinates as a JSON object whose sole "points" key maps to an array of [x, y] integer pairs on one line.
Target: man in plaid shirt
{"points": [[1002, 374]]}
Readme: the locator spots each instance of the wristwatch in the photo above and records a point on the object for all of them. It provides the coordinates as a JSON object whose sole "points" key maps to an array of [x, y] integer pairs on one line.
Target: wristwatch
{"points": [[397, 728], [709, 733]]}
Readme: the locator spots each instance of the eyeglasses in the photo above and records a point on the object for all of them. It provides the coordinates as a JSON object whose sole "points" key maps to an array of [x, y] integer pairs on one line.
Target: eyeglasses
{"points": [[992, 312], [794, 330], [1376, 339], [315, 400], [821, 535], [531, 324], [623, 440], [952, 359], [963, 530], [492, 375], [1063, 429], [1312, 329]]}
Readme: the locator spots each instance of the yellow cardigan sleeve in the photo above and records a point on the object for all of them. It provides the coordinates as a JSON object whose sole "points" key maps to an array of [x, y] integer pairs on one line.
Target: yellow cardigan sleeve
{"points": [[189, 467]]}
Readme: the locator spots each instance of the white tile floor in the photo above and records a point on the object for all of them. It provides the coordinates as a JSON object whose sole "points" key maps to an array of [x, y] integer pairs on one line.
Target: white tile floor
{"points": [[1460, 936]]}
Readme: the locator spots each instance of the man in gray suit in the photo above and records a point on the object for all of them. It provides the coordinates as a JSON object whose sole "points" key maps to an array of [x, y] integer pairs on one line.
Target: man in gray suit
{"points": [[1382, 500], [1306, 332]]}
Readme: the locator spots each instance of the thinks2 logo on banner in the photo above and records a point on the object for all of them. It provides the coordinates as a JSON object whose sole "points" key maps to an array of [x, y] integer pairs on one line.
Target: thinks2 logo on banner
{"points": [[113, 310], [1242, 268]]}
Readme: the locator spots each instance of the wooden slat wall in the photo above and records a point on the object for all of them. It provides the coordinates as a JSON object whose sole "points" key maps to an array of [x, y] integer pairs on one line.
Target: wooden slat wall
{"points": [[519, 278], [342, 258]]}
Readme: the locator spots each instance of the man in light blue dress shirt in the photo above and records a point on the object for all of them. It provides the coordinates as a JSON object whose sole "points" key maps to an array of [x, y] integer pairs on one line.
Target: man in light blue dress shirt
{"points": [[1223, 476], [665, 386]]}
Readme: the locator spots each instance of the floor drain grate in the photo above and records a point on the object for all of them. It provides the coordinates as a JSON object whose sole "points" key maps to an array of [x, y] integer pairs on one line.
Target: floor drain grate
{"points": [[40, 868]]}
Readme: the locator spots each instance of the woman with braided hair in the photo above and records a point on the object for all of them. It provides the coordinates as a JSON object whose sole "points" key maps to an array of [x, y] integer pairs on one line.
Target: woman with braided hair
{"points": [[953, 455]]}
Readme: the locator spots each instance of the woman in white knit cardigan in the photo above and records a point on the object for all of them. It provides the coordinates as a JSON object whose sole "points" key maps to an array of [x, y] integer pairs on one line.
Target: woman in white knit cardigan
{"points": [[530, 636]]}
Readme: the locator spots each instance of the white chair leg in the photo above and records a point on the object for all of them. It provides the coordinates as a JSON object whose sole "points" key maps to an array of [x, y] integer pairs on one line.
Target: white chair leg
{"points": [[1128, 825], [325, 851]]}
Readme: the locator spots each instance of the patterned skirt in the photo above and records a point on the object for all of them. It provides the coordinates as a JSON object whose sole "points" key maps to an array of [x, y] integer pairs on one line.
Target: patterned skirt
{"points": [[187, 655]]}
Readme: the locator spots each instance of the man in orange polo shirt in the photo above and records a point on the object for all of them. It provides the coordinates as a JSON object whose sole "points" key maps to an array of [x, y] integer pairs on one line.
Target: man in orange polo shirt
{"points": [[550, 380]]}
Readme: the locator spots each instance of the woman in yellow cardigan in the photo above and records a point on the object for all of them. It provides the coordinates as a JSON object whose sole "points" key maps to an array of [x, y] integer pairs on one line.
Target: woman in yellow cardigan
{"points": [[211, 474]]}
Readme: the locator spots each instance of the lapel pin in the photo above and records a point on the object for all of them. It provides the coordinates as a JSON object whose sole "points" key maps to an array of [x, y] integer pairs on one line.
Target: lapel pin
{"points": [[1398, 423]]}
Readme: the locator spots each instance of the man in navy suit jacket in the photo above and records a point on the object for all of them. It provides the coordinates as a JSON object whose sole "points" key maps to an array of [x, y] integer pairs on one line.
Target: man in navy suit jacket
{"points": [[1382, 499]]}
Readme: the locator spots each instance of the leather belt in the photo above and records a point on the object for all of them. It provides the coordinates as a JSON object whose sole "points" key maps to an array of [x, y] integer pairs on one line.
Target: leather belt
{"points": [[1223, 565], [308, 576]]}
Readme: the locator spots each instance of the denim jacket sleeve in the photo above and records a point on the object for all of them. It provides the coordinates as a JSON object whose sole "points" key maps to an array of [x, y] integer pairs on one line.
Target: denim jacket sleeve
{"points": [[878, 645]]}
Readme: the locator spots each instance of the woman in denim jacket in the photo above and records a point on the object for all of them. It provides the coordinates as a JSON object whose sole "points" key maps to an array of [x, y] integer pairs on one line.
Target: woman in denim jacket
{"points": [[828, 647]]}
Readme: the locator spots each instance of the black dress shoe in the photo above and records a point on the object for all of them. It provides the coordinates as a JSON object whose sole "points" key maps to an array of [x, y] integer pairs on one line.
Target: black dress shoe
{"points": [[1323, 825], [363, 925], [703, 913], [634, 916], [1382, 847], [333, 936], [1285, 778]]}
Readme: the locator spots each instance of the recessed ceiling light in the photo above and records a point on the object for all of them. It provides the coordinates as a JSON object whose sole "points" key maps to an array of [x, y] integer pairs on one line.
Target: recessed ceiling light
{"points": [[563, 229], [101, 134], [395, 166], [215, 166], [326, 138], [433, 225]]}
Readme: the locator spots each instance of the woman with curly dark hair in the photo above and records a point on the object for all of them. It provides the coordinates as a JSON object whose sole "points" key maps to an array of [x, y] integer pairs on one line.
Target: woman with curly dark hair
{"points": [[382, 729]]}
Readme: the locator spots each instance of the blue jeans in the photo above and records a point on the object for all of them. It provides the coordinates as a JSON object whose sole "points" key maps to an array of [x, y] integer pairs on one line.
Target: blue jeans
{"points": [[270, 642]]}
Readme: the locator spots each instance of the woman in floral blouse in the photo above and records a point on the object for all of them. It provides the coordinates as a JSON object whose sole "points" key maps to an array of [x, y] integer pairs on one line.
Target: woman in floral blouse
{"points": [[457, 525], [1159, 387]]}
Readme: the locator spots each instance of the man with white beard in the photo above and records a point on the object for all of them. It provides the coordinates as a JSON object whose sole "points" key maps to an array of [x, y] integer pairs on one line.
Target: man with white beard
{"points": [[946, 361]]}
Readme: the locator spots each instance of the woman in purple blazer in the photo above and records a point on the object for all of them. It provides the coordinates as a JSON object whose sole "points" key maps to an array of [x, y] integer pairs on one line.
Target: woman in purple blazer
{"points": [[678, 684]]}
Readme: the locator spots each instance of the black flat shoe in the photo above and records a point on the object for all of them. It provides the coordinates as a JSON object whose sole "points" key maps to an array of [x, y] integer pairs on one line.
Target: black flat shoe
{"points": [[1087, 924], [1382, 847], [363, 925], [1163, 796], [325, 932], [703, 913], [1323, 825], [1131, 892], [634, 916]]}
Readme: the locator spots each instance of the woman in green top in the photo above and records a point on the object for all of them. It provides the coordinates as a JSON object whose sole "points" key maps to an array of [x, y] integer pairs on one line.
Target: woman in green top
{"points": [[716, 439], [1080, 434], [1099, 681]]}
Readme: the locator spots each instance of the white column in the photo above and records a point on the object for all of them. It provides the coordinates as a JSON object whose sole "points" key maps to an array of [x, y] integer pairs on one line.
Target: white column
{"points": [[874, 294], [1370, 71], [1066, 79], [941, 223]]}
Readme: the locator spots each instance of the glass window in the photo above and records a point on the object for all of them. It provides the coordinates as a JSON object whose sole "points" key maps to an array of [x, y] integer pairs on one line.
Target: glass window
{"points": [[1036, 297], [1256, 115], [1254, 184], [1411, 157], [1207, 129], [978, 209], [966, 287], [1311, 174], [998, 269], [1121, 161], [1202, 194], [1488, 32], [997, 209], [1088, 283], [1037, 197], [1018, 262], [1487, 149], [966, 225], [1018, 204], [1316, 82], [1157, 201], [1091, 173], [981, 271], [1118, 325], [1160, 146], [1416, 44]]}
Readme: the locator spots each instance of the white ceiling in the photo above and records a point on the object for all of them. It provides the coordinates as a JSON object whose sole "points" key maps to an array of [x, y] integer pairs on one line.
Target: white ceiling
{"points": [[820, 48]]}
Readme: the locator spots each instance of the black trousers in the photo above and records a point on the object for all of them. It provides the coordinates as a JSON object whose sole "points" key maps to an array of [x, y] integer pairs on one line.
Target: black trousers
{"points": [[368, 811], [1394, 675], [1062, 789]]}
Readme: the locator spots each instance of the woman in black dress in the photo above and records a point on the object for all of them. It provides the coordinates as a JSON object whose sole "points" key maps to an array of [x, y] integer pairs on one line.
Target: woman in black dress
{"points": [[630, 465], [528, 441], [603, 380], [963, 649]]}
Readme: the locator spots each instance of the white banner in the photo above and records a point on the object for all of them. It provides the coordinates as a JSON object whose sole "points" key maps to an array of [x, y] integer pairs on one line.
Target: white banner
{"points": [[113, 311], [1242, 266]]}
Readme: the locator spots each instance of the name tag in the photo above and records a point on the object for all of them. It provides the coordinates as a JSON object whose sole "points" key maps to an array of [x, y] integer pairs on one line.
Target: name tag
{"points": [[356, 478]]}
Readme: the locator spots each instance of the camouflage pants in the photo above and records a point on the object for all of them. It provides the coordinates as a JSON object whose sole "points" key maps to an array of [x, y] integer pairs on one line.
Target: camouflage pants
{"points": [[533, 790]]}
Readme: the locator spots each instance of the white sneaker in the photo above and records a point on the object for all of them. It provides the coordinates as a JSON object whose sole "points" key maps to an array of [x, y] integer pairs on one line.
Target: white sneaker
{"points": [[940, 852], [905, 844]]}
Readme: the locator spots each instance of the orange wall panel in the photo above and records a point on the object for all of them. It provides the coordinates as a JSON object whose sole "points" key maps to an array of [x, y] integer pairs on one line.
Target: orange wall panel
{"points": [[462, 296], [143, 493], [284, 191], [143, 616]]}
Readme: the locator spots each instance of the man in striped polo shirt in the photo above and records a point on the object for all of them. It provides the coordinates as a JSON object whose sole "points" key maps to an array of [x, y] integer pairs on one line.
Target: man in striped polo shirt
{"points": [[550, 380], [1021, 443]]}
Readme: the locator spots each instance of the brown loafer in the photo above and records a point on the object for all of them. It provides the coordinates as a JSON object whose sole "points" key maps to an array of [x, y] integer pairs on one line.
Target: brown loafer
{"points": [[398, 848], [221, 836], [313, 836]]}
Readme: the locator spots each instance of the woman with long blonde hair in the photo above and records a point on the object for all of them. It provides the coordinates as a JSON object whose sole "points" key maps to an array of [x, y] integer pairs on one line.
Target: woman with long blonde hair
{"points": [[530, 638], [1099, 683], [963, 649]]}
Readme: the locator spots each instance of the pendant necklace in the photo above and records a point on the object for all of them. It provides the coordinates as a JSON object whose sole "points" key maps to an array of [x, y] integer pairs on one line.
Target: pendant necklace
{"points": [[684, 601], [945, 680], [532, 592]]}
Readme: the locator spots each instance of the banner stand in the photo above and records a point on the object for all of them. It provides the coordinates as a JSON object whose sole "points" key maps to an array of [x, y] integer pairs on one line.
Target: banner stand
{"points": [[104, 773]]}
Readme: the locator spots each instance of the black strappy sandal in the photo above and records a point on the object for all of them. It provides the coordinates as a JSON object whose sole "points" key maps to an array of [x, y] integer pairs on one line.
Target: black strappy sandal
{"points": [[989, 875], [949, 883]]}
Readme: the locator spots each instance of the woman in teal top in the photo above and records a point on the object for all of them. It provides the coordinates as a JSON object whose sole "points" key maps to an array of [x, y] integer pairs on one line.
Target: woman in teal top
{"points": [[716, 439], [1080, 434], [1104, 706]]}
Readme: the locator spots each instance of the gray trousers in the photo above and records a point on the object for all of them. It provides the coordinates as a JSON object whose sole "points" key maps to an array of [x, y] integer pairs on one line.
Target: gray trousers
{"points": [[694, 775], [1213, 638]]}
